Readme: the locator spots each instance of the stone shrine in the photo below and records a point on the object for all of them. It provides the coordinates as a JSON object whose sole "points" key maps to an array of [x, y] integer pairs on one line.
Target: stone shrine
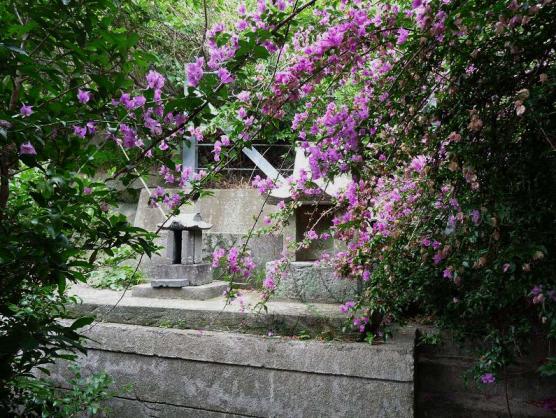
{"points": [[305, 279], [182, 273]]}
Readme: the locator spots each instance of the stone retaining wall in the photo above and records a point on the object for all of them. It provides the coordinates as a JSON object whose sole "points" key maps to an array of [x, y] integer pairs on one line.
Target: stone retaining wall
{"points": [[187, 373], [441, 390]]}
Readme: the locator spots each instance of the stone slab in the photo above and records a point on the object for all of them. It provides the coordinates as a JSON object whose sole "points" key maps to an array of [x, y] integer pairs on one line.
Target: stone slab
{"points": [[212, 314], [172, 283], [191, 274], [392, 361], [202, 292], [123, 407], [231, 373], [306, 281]]}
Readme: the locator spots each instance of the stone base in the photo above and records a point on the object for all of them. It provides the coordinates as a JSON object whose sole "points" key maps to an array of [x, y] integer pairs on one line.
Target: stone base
{"points": [[308, 282], [201, 292], [179, 275], [169, 283]]}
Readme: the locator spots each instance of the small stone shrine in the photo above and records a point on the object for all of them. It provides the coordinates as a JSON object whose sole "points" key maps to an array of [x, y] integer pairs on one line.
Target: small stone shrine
{"points": [[305, 279], [184, 248], [182, 273]]}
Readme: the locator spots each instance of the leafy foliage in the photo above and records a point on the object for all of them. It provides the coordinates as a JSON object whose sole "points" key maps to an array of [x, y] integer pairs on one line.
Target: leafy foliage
{"points": [[112, 274], [39, 397], [54, 221]]}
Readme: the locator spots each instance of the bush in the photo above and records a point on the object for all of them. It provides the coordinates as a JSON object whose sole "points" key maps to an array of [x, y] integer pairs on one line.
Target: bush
{"points": [[85, 396]]}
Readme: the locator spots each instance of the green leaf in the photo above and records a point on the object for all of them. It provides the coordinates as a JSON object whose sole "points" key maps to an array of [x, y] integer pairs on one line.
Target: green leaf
{"points": [[81, 322]]}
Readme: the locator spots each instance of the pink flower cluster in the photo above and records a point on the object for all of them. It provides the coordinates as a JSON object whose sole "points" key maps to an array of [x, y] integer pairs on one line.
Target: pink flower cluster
{"points": [[233, 261]]}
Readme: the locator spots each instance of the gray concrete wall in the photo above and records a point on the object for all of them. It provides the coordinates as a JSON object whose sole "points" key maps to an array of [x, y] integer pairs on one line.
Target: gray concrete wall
{"points": [[187, 373], [231, 211]]}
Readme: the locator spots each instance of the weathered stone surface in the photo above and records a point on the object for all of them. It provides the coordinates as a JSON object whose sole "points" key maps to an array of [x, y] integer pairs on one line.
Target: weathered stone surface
{"points": [[192, 274], [128, 210], [202, 292], [255, 376], [263, 249], [168, 283], [228, 210], [216, 314], [138, 408], [306, 281]]}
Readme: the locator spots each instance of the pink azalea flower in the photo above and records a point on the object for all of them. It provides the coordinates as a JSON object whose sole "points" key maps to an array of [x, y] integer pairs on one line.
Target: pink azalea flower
{"points": [[225, 76], [402, 36], [437, 258], [347, 306], [269, 283], [312, 235], [195, 72], [366, 275], [244, 96], [83, 96], [475, 216], [80, 131], [26, 110], [27, 149], [488, 378], [418, 163], [155, 80]]}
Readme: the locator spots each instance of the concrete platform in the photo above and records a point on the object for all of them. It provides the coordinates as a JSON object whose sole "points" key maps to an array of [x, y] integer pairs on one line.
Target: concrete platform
{"points": [[218, 313], [202, 292]]}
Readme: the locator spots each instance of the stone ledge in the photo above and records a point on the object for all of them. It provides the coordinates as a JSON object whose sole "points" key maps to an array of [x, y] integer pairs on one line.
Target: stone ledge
{"points": [[201, 292], [212, 314], [191, 274]]}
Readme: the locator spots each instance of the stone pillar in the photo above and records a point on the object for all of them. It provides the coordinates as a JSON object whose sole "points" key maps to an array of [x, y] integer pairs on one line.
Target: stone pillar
{"points": [[174, 246], [198, 246], [188, 247]]}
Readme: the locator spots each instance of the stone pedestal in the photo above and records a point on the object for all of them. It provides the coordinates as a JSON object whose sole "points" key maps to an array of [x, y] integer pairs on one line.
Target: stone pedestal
{"points": [[201, 292], [309, 282], [179, 275]]}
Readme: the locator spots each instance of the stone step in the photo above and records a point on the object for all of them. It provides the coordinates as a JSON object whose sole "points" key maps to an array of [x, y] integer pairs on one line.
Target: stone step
{"points": [[201, 292]]}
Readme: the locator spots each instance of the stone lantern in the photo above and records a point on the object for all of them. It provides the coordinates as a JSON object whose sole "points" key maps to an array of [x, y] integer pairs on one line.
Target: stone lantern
{"points": [[184, 252]]}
